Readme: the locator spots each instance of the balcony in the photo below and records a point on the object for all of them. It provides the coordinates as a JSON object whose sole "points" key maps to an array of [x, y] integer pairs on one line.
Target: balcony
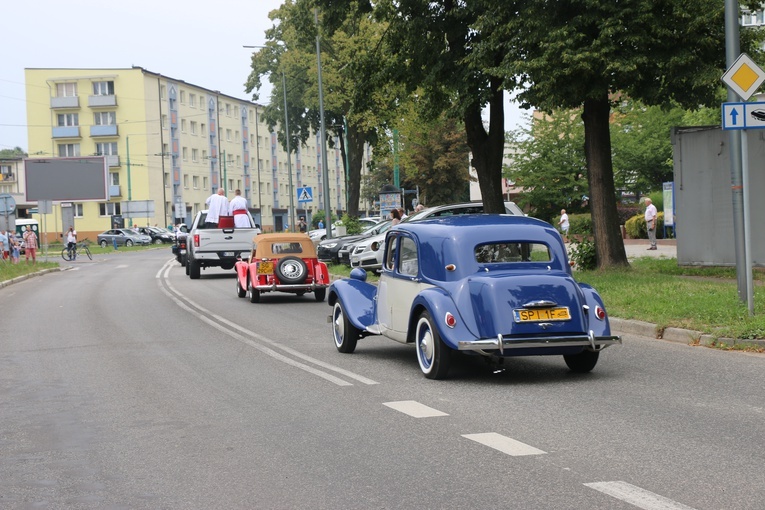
{"points": [[66, 132], [65, 102], [100, 101], [114, 190], [103, 130], [113, 160]]}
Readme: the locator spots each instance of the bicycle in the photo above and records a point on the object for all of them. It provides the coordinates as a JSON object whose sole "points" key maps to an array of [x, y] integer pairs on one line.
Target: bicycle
{"points": [[79, 249]]}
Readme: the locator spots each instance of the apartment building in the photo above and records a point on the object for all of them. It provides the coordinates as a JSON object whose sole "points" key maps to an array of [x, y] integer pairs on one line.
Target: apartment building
{"points": [[170, 144]]}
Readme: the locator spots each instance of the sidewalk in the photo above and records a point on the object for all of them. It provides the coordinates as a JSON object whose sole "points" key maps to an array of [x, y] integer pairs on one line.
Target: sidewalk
{"points": [[665, 248]]}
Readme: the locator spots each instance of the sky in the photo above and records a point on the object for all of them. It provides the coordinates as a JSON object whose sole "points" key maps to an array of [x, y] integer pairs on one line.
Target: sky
{"points": [[198, 42]]}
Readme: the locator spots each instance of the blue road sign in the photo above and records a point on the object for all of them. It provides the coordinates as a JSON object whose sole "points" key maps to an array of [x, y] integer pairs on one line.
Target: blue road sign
{"points": [[304, 194], [743, 115]]}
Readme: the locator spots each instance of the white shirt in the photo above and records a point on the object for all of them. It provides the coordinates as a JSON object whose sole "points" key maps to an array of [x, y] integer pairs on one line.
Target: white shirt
{"points": [[650, 213], [217, 206], [239, 203], [71, 237]]}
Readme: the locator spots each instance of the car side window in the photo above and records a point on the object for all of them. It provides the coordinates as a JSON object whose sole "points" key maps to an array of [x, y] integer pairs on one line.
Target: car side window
{"points": [[390, 251], [408, 264]]}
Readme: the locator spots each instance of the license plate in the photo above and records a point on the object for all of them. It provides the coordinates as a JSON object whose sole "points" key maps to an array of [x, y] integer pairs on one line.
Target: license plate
{"points": [[266, 267], [228, 253], [541, 314]]}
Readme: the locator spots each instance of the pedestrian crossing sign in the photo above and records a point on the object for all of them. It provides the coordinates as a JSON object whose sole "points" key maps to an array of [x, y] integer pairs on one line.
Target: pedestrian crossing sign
{"points": [[304, 194]]}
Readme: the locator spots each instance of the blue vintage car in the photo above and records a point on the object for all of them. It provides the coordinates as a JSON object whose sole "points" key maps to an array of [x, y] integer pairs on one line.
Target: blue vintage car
{"points": [[483, 284]]}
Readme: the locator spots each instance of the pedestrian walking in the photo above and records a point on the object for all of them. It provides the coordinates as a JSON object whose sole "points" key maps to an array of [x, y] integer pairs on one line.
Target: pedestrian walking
{"points": [[563, 224]]}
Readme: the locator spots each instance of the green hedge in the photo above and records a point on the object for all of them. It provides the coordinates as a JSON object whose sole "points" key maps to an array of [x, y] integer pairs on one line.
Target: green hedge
{"points": [[636, 228]]}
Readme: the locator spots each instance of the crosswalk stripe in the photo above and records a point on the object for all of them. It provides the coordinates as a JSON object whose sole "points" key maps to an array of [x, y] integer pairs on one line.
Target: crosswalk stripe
{"points": [[636, 496], [414, 409], [504, 444]]}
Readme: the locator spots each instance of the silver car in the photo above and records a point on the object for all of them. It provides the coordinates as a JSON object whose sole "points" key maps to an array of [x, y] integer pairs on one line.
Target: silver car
{"points": [[368, 254], [123, 237]]}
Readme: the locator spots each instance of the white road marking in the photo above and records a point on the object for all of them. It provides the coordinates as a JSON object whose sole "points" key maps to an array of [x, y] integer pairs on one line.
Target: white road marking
{"points": [[414, 409], [176, 296], [636, 496], [122, 266], [504, 444]]}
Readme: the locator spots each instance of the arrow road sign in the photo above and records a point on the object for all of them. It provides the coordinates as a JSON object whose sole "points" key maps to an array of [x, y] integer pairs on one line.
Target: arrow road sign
{"points": [[743, 115]]}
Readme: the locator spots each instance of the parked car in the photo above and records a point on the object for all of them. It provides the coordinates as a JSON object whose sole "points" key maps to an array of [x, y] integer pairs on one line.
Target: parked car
{"points": [[284, 263], [123, 236], [329, 250], [367, 255], [320, 234], [489, 285], [158, 235]]}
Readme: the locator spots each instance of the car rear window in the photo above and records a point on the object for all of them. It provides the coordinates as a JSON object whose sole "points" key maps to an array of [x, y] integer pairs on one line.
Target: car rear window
{"points": [[290, 247], [498, 253]]}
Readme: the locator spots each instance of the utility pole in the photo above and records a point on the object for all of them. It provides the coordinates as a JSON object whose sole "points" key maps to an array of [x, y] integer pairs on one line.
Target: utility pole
{"points": [[130, 188], [289, 154], [323, 138]]}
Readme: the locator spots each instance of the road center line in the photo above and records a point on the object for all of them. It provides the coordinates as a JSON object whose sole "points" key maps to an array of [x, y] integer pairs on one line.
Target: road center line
{"points": [[636, 496], [183, 300], [414, 409], [504, 444]]}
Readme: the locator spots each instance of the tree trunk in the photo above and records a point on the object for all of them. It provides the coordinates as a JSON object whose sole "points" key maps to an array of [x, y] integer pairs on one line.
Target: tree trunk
{"points": [[354, 152], [488, 148], [609, 245]]}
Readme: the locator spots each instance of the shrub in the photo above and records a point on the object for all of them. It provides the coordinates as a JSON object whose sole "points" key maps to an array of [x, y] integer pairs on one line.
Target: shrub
{"points": [[352, 224], [636, 228], [583, 255], [580, 224], [625, 212]]}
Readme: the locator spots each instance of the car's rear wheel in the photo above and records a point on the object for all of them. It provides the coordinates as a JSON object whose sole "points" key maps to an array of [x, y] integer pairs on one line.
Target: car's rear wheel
{"points": [[194, 269], [254, 293], [187, 269], [320, 294], [128, 242], [183, 260], [344, 333], [157, 241], [292, 270], [432, 354], [582, 362], [103, 243], [240, 292]]}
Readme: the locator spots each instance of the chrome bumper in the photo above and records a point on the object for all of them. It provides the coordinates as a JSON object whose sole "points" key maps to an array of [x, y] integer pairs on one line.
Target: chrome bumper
{"points": [[294, 286], [501, 343]]}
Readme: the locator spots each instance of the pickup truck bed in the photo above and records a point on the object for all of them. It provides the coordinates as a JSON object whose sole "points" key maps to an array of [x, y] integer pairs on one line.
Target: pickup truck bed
{"points": [[217, 247]]}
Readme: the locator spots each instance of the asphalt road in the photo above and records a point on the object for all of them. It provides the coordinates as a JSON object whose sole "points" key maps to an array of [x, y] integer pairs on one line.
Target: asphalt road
{"points": [[123, 384]]}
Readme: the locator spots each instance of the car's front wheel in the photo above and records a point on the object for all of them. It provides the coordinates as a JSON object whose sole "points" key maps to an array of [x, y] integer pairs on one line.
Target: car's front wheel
{"points": [[432, 354], [240, 292], [344, 333], [157, 241], [583, 362], [103, 243], [128, 243], [320, 294]]}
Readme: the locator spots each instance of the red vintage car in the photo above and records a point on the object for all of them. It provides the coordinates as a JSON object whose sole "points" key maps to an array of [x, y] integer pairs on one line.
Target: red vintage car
{"points": [[281, 263]]}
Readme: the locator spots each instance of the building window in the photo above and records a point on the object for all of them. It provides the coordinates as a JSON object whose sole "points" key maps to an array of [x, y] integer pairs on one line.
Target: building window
{"points": [[185, 153], [183, 125], [77, 210], [109, 208], [204, 182], [69, 150], [236, 136], [166, 179], [183, 97], [103, 88], [204, 154], [228, 135], [195, 181], [231, 184], [238, 161], [162, 92], [195, 156], [66, 89], [164, 121], [193, 127], [193, 100], [114, 178], [228, 110], [106, 149], [186, 181], [68, 119], [105, 119]]}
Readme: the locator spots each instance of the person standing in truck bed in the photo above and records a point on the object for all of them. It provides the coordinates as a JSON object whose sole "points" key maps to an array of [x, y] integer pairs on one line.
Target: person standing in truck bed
{"points": [[217, 206], [238, 209]]}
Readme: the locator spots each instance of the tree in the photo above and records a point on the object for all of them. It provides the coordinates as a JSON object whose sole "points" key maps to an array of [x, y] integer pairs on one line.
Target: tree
{"points": [[16, 152], [584, 53], [550, 164]]}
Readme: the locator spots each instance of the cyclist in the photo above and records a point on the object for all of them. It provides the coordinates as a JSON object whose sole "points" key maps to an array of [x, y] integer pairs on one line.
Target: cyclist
{"points": [[71, 243]]}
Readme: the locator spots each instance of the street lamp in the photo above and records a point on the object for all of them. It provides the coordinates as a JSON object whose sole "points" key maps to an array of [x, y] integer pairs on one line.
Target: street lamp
{"points": [[289, 151]]}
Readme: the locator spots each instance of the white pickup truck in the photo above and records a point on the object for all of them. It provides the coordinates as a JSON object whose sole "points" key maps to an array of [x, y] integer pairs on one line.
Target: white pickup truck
{"points": [[221, 246]]}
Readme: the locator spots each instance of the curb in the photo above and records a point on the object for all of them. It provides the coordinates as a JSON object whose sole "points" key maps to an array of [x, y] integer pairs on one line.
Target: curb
{"points": [[27, 276], [679, 335]]}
